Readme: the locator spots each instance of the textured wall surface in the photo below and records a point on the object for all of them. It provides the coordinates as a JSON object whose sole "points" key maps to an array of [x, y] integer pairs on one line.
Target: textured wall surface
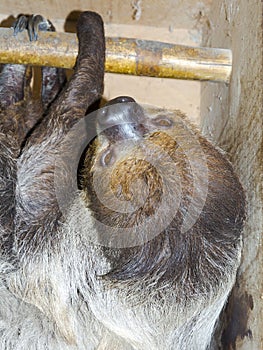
{"points": [[233, 118], [158, 13]]}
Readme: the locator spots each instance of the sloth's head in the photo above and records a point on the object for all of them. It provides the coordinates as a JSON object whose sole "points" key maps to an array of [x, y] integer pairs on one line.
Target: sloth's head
{"points": [[166, 202]]}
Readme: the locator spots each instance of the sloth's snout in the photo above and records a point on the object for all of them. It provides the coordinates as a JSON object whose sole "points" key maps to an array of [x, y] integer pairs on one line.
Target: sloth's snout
{"points": [[121, 118]]}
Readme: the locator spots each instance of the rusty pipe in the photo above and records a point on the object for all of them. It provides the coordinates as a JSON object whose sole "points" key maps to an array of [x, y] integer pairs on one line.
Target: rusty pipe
{"points": [[123, 55]]}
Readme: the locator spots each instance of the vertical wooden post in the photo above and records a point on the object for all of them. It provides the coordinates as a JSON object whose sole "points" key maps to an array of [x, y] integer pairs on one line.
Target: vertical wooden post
{"points": [[233, 117]]}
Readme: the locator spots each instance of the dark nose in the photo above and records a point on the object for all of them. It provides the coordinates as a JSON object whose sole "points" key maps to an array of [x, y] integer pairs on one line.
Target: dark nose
{"points": [[120, 99], [121, 109], [121, 118]]}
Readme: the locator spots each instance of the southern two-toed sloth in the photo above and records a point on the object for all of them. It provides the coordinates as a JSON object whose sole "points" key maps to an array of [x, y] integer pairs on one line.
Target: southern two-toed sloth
{"points": [[142, 252]]}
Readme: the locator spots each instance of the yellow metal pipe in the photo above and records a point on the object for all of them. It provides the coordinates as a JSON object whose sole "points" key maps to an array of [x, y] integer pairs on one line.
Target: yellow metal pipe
{"points": [[123, 55]]}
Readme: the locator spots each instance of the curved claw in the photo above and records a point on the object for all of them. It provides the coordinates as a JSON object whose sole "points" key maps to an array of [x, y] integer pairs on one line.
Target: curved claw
{"points": [[36, 23], [20, 24], [32, 24]]}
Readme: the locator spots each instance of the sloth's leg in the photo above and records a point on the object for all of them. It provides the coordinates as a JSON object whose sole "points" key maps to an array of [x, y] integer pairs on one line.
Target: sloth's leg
{"points": [[19, 111], [37, 203], [86, 84], [13, 80], [53, 79]]}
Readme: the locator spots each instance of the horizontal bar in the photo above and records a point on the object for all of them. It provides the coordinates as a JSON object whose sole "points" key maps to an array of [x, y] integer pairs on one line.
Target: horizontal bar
{"points": [[123, 55]]}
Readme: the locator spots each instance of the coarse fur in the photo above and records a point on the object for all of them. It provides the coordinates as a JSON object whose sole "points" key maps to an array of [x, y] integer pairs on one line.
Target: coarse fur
{"points": [[66, 282]]}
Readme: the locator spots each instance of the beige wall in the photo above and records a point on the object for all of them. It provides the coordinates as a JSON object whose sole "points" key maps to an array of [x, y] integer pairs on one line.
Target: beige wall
{"points": [[157, 13], [233, 117]]}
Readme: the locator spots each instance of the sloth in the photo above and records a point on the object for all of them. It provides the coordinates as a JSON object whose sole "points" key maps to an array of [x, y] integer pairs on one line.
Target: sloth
{"points": [[119, 228]]}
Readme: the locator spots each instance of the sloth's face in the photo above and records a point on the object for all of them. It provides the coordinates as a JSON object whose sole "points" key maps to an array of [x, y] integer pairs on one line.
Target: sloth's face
{"points": [[135, 160], [156, 187], [149, 170]]}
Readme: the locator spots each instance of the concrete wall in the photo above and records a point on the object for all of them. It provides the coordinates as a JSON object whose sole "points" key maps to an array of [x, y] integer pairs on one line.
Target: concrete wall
{"points": [[232, 116]]}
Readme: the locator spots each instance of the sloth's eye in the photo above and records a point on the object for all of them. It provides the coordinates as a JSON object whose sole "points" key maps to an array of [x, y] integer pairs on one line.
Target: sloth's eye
{"points": [[163, 121], [107, 157]]}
